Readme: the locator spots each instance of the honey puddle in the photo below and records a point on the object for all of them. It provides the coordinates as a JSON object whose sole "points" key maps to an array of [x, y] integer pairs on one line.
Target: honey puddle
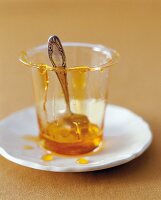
{"points": [[50, 156]]}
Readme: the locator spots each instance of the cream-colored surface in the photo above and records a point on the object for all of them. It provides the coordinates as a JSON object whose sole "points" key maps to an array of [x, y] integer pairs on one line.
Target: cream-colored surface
{"points": [[130, 26]]}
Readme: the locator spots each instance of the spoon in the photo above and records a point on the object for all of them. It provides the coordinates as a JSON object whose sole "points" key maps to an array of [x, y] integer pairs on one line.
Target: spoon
{"points": [[58, 60]]}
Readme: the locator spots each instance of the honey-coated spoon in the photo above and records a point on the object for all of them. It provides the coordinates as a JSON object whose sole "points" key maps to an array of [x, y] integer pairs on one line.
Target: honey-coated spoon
{"points": [[58, 60]]}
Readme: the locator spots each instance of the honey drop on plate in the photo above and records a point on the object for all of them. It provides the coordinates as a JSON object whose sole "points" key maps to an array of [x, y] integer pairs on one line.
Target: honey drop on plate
{"points": [[28, 147], [31, 138], [47, 157], [82, 161]]}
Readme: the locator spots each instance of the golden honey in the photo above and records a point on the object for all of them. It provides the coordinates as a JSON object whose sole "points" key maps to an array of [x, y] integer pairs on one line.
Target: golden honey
{"points": [[28, 147], [70, 137], [82, 161], [47, 157], [31, 138]]}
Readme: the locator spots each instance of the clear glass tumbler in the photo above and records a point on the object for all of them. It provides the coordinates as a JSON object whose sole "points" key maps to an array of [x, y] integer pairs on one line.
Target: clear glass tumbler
{"points": [[88, 67]]}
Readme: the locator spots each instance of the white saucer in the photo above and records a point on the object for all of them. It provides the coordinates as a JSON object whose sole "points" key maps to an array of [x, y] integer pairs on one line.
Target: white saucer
{"points": [[127, 136]]}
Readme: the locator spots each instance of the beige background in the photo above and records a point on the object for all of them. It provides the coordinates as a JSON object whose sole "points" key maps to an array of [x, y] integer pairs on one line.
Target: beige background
{"points": [[132, 27]]}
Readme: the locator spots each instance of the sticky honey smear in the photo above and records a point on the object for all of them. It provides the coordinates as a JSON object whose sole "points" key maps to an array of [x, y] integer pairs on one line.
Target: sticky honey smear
{"points": [[47, 157], [28, 147], [31, 138], [46, 83], [82, 161]]}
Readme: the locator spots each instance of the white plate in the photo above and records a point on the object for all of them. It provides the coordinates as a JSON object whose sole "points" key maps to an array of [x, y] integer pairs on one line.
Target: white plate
{"points": [[126, 137]]}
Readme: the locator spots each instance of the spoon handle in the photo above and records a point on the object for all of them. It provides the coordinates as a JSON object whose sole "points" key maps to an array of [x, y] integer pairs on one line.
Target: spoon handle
{"points": [[58, 59]]}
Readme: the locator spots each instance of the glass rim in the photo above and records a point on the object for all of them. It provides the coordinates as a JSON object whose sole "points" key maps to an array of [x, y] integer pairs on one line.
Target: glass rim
{"points": [[112, 58]]}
